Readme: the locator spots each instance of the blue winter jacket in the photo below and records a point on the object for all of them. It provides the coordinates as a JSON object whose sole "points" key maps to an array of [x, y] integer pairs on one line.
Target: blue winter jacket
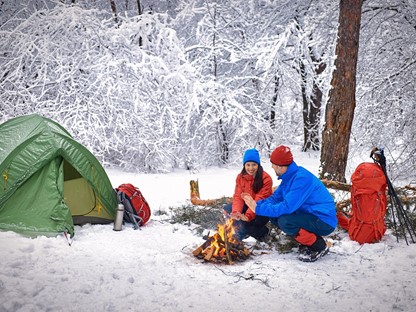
{"points": [[299, 192]]}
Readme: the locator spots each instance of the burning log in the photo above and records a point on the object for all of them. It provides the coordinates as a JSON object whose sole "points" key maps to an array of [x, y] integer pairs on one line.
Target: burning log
{"points": [[222, 246], [205, 245], [209, 253]]}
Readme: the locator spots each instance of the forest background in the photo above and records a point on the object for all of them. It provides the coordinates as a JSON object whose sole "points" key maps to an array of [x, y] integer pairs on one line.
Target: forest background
{"points": [[150, 86]]}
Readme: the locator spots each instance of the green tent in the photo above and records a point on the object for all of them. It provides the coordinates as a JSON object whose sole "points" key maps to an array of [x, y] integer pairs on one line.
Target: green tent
{"points": [[49, 181]]}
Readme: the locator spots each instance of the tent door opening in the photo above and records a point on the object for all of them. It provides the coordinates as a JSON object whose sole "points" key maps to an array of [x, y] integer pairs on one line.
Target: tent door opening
{"points": [[80, 197]]}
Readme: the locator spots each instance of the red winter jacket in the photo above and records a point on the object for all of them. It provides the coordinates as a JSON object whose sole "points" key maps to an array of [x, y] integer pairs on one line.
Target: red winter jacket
{"points": [[243, 184]]}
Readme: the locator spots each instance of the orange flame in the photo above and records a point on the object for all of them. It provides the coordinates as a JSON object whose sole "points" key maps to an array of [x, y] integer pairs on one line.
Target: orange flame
{"points": [[228, 228], [224, 234], [223, 246]]}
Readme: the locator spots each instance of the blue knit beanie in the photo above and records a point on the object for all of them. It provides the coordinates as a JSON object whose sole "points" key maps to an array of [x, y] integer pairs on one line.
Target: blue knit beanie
{"points": [[251, 155]]}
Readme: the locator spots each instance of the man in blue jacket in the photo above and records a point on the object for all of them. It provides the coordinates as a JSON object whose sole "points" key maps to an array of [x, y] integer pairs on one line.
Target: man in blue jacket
{"points": [[301, 206]]}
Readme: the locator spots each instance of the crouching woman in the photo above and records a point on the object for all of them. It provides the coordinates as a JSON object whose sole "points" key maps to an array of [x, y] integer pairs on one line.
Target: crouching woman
{"points": [[258, 183]]}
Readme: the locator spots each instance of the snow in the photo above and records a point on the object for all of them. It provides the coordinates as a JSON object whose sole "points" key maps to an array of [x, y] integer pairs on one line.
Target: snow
{"points": [[153, 269]]}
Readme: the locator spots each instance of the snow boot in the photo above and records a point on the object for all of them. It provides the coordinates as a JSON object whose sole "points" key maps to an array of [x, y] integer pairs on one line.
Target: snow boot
{"points": [[312, 253]]}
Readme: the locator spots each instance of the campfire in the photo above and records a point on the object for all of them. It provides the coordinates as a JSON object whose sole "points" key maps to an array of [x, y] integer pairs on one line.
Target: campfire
{"points": [[222, 246]]}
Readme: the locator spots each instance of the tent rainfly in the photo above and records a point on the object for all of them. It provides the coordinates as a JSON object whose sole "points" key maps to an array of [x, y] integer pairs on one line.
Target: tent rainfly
{"points": [[50, 181]]}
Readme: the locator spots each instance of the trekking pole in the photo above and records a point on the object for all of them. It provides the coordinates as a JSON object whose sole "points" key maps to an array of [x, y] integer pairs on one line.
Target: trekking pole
{"points": [[380, 160], [402, 213], [377, 154]]}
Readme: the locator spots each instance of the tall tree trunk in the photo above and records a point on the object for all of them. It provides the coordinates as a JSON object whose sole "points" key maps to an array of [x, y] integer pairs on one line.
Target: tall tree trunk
{"points": [[311, 107], [225, 152], [224, 149], [274, 102], [341, 103], [305, 110], [312, 103], [139, 7], [114, 10]]}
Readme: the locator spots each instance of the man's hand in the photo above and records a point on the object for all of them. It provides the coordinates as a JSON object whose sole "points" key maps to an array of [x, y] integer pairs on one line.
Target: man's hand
{"points": [[238, 216], [250, 202]]}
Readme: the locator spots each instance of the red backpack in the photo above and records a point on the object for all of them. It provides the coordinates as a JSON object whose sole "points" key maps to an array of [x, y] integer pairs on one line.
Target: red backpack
{"points": [[136, 208], [365, 223]]}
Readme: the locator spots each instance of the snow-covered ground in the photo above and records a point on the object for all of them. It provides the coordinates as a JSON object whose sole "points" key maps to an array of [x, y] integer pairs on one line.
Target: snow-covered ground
{"points": [[153, 269]]}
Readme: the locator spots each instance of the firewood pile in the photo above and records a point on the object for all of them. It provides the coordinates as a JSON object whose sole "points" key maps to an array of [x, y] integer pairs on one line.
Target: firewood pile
{"points": [[222, 247]]}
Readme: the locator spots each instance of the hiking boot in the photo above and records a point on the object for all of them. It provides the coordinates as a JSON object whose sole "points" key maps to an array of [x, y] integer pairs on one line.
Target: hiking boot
{"points": [[302, 249], [309, 255], [312, 253], [266, 238]]}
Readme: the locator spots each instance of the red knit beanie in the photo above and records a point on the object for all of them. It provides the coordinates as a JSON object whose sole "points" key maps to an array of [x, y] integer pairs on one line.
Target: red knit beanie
{"points": [[281, 156]]}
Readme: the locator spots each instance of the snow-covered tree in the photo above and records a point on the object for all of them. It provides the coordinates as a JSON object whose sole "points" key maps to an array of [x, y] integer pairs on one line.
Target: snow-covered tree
{"points": [[216, 45], [123, 100], [294, 51], [386, 93], [190, 83]]}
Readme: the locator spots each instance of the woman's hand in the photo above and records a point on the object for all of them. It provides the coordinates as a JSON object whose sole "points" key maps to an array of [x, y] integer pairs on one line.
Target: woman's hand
{"points": [[250, 202], [238, 216]]}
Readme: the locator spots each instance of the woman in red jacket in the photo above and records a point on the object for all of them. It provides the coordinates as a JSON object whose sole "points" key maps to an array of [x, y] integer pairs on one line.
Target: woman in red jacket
{"points": [[253, 180]]}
